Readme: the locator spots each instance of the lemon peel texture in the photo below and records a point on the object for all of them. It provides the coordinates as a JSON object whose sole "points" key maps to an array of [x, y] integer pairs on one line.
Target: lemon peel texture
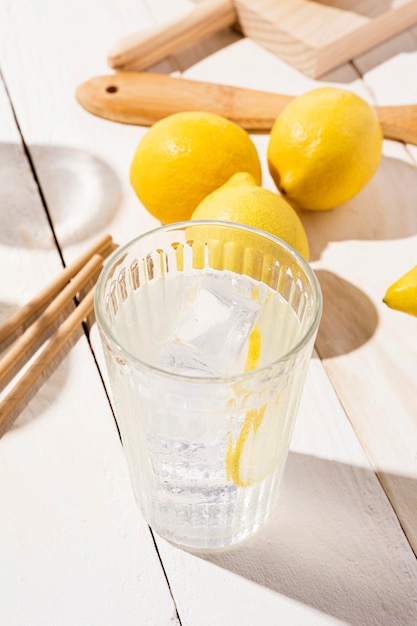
{"points": [[324, 148], [242, 200], [184, 157], [402, 295]]}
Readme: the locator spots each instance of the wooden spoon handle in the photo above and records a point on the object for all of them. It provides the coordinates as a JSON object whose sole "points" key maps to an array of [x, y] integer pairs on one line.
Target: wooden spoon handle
{"points": [[144, 98], [143, 49]]}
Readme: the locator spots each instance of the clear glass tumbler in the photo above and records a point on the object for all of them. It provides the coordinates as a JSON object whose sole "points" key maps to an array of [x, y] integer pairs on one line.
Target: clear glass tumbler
{"points": [[207, 329]]}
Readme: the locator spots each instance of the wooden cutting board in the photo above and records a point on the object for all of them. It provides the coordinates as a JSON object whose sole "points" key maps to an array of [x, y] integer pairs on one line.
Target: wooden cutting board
{"points": [[314, 36]]}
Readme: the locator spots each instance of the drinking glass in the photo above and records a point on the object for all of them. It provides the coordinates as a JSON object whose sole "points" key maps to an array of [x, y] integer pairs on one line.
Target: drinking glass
{"points": [[207, 330]]}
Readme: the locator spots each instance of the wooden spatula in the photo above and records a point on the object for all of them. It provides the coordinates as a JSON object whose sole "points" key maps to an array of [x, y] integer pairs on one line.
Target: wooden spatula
{"points": [[143, 98]]}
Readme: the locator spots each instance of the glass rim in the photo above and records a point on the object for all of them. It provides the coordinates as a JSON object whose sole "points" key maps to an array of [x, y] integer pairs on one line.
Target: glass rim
{"points": [[123, 352]]}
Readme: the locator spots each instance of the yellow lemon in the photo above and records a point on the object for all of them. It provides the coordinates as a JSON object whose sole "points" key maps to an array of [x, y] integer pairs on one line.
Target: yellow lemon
{"points": [[324, 148], [402, 295], [243, 201], [184, 157]]}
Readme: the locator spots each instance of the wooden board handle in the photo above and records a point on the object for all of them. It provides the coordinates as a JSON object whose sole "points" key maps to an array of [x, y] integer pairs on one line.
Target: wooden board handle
{"points": [[143, 49], [144, 98]]}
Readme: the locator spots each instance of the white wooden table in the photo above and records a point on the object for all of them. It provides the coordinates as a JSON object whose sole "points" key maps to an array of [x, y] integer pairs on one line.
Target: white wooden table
{"points": [[74, 551]]}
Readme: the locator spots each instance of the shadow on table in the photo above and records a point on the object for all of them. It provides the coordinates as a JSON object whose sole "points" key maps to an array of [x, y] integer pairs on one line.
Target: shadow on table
{"points": [[371, 10], [82, 194], [403, 43], [383, 210], [349, 317], [324, 545], [191, 54]]}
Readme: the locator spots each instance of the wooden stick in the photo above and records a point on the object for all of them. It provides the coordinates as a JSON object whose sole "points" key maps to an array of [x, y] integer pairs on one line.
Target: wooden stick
{"points": [[143, 49], [52, 348], [37, 329], [22, 315]]}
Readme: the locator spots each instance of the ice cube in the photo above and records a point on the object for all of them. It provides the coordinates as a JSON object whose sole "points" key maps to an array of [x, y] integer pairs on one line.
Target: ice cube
{"points": [[210, 335]]}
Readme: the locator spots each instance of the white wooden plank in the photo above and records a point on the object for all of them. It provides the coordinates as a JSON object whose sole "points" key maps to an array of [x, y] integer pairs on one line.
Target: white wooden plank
{"points": [[74, 548], [24, 235], [333, 551], [369, 243], [82, 161]]}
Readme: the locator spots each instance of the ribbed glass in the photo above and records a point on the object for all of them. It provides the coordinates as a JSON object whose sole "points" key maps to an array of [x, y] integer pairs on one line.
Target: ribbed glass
{"points": [[205, 453]]}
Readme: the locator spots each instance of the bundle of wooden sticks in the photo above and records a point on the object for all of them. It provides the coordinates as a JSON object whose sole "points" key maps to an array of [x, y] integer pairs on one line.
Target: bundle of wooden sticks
{"points": [[40, 313]]}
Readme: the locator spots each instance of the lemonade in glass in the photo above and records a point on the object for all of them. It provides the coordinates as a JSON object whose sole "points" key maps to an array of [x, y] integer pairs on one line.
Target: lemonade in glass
{"points": [[208, 329]]}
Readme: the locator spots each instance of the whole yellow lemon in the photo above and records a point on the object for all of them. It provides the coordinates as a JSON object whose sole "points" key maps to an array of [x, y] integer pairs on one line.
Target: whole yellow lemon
{"points": [[184, 157], [243, 201], [324, 148], [402, 295]]}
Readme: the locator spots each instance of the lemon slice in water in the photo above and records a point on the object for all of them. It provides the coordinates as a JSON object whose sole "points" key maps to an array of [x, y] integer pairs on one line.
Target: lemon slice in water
{"points": [[254, 456], [254, 349], [257, 450]]}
